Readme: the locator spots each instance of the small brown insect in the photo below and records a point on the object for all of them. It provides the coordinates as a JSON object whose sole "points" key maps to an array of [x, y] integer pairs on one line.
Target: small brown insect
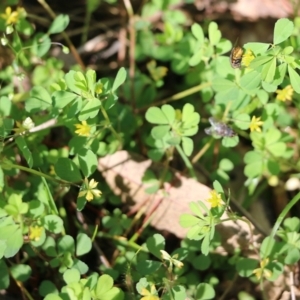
{"points": [[219, 129], [236, 57]]}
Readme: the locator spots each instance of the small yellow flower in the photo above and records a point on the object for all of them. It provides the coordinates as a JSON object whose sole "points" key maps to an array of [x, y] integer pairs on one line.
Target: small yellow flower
{"points": [[149, 295], [83, 129], [35, 233], [255, 124], [247, 58], [12, 17], [262, 271], [285, 94], [90, 190], [215, 200]]}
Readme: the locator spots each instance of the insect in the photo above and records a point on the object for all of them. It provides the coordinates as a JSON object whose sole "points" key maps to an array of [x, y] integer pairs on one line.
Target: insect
{"points": [[219, 128], [236, 57]]}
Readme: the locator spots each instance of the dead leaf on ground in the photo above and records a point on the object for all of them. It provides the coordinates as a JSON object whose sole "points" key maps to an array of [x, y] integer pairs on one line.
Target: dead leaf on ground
{"points": [[123, 172]]}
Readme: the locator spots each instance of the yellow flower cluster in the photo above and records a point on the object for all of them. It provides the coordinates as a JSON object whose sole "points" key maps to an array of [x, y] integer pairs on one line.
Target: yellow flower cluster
{"points": [[215, 199], [12, 17], [255, 124], [89, 191], [285, 94]]}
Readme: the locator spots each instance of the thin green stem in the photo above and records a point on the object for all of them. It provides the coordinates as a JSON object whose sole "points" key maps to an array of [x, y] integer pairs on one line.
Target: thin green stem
{"points": [[278, 223], [186, 161], [111, 127], [7, 165], [122, 241]]}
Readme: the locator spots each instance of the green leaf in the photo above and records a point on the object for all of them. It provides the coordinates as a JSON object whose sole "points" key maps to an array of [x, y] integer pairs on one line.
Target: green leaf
{"points": [[242, 121], [197, 31], [293, 255], [53, 223], [63, 98], [257, 48], [218, 187], [12, 236], [41, 44], [268, 71], [71, 275], [283, 30], [66, 244], [80, 266], [155, 244], [87, 161], [147, 267], [72, 82], [47, 287], [104, 284], [59, 24], [250, 81], [187, 221], [190, 118], [187, 145], [20, 141], [119, 80], [4, 278], [91, 80], [277, 149], [90, 109], [202, 262], [53, 297], [158, 132], [205, 291], [196, 208], [5, 106], [259, 61], [169, 112], [83, 244], [20, 272], [263, 96], [295, 79], [245, 266], [155, 115], [220, 84], [39, 100], [214, 33], [66, 169]]}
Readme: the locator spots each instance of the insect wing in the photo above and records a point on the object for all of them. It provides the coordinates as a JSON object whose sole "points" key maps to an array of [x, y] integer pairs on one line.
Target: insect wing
{"points": [[209, 131]]}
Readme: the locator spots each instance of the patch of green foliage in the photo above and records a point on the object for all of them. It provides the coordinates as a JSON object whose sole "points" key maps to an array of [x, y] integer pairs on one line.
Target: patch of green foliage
{"points": [[34, 178]]}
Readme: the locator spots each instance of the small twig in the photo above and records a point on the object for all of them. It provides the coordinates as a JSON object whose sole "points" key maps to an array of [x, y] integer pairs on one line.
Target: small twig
{"points": [[176, 97], [132, 40], [229, 287], [66, 37], [292, 285]]}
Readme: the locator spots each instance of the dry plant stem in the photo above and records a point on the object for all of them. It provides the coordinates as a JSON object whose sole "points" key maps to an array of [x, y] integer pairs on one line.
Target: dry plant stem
{"points": [[24, 291], [66, 37], [229, 287], [202, 151], [245, 213], [122, 48], [292, 285], [177, 96], [132, 40]]}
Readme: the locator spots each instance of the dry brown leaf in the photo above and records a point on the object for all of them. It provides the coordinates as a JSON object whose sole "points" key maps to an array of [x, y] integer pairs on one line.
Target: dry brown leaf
{"points": [[247, 10], [123, 173]]}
